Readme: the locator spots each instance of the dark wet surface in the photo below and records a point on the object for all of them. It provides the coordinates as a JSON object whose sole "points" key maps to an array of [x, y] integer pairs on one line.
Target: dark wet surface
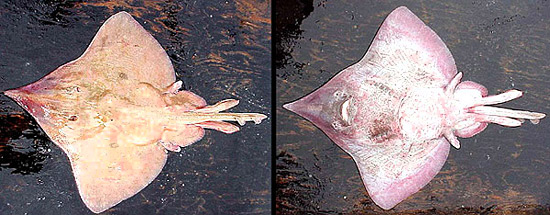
{"points": [[220, 49], [500, 44]]}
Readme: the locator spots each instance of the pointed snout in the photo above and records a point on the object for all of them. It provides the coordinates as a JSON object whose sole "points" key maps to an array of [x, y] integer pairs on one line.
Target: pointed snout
{"points": [[15, 94], [25, 100], [18, 96], [311, 107], [296, 106], [305, 109]]}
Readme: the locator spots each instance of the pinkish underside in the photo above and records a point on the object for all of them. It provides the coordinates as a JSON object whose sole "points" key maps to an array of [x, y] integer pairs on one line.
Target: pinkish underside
{"points": [[398, 109]]}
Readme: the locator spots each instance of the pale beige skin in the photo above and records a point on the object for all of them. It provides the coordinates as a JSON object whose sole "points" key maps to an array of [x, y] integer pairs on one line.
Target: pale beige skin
{"points": [[115, 110]]}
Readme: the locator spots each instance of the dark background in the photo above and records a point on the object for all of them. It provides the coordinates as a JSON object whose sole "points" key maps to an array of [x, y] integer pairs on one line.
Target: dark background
{"points": [[220, 49], [500, 44]]}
